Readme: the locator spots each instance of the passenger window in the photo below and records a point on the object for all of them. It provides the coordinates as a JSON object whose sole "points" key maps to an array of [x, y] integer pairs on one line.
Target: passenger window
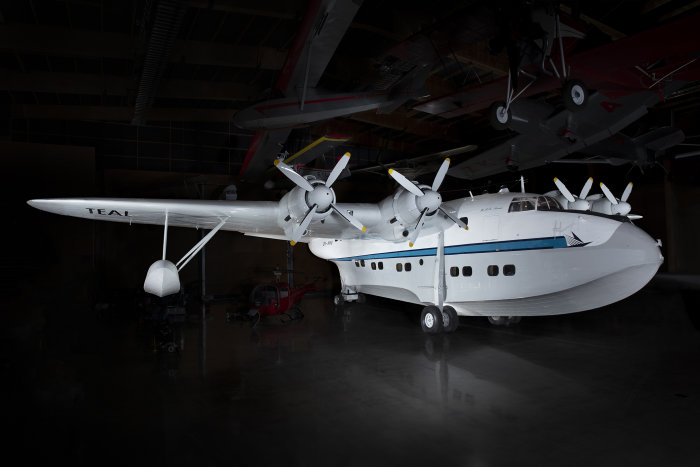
{"points": [[357, 264], [492, 270], [399, 267], [407, 267], [509, 270], [420, 261], [362, 263], [381, 265], [374, 266], [454, 271], [467, 271]]}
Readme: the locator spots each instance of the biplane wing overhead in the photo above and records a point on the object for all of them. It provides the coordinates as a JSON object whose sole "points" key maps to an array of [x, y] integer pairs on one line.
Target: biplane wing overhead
{"points": [[546, 135], [616, 69]]}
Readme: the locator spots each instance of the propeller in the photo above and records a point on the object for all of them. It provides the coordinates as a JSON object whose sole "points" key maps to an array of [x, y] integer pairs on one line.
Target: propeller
{"points": [[620, 207], [319, 197], [575, 203], [428, 200]]}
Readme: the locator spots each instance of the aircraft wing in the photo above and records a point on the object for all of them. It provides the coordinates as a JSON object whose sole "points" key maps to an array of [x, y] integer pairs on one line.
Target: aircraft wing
{"points": [[321, 30], [262, 152], [258, 218], [546, 135]]}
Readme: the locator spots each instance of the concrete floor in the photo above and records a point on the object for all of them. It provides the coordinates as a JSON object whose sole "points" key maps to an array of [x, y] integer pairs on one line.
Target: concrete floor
{"points": [[359, 386]]}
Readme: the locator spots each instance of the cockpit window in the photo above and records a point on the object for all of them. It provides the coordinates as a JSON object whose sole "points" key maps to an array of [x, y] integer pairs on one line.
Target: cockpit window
{"points": [[547, 203], [524, 203]]}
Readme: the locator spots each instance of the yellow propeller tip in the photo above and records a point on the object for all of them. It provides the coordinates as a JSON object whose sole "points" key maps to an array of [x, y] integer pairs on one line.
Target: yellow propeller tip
{"points": [[292, 242], [277, 161], [347, 154], [601, 183], [391, 170], [590, 178], [555, 179], [447, 159], [364, 229]]}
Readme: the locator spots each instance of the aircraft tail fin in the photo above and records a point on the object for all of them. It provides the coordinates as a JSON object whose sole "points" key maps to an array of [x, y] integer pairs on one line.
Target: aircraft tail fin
{"points": [[411, 86]]}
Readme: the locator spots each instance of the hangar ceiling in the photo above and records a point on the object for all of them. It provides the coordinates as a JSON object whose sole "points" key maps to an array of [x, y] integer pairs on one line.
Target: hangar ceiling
{"points": [[79, 72]]}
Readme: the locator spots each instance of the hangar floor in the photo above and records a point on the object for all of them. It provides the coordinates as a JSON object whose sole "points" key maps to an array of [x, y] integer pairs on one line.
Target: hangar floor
{"points": [[360, 385]]}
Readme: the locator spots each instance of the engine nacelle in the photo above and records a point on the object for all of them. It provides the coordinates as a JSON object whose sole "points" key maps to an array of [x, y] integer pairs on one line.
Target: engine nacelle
{"points": [[162, 279]]}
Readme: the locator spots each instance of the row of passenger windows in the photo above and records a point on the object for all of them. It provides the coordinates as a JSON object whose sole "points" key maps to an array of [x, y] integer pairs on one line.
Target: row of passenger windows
{"points": [[492, 270]]}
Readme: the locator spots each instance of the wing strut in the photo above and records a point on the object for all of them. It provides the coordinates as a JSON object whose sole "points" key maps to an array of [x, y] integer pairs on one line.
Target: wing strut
{"points": [[195, 249]]}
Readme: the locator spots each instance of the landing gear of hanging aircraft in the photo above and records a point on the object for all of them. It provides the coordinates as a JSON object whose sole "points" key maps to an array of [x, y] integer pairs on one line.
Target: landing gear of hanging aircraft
{"points": [[338, 300], [431, 320], [450, 320], [575, 95], [504, 320], [499, 115]]}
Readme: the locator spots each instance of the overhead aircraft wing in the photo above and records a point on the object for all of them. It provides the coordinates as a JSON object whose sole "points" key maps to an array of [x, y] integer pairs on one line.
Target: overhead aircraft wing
{"points": [[257, 218], [322, 28], [262, 152], [546, 135], [616, 69]]}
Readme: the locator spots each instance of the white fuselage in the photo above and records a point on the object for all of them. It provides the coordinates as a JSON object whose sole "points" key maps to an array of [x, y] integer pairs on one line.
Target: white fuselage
{"points": [[523, 263]]}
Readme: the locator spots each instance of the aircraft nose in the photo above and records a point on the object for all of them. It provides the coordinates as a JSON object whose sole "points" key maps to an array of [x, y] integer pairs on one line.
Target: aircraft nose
{"points": [[635, 247]]}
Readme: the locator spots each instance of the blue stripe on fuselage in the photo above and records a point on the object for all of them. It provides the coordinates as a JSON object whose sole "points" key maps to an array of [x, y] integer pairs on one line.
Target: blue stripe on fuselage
{"points": [[490, 247]]}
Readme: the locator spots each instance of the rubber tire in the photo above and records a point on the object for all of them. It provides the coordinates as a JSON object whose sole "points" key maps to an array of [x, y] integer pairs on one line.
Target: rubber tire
{"points": [[496, 122], [571, 88], [452, 322], [338, 300], [434, 322], [498, 320]]}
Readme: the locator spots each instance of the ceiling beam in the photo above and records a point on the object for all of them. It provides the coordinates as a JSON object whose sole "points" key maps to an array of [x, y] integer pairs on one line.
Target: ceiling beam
{"points": [[103, 113], [48, 40], [282, 9], [91, 84]]}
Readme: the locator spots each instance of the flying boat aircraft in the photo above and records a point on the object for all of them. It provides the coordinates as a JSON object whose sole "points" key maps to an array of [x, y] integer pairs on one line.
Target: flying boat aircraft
{"points": [[502, 255]]}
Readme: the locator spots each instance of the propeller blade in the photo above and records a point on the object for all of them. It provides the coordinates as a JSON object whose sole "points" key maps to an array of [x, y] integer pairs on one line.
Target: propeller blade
{"points": [[337, 170], [607, 193], [627, 192], [291, 174], [454, 218], [404, 182], [440, 175], [586, 188], [414, 235], [301, 228], [564, 191], [345, 215]]}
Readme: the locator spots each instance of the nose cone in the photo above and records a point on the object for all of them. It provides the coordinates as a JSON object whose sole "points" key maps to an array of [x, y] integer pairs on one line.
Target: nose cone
{"points": [[634, 255]]}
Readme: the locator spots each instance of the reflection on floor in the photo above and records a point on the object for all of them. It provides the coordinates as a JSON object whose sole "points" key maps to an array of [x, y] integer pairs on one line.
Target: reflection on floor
{"points": [[360, 385]]}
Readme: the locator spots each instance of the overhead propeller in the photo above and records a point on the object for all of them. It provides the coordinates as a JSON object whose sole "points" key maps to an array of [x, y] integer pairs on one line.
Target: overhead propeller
{"points": [[620, 207], [428, 200], [319, 197], [575, 203]]}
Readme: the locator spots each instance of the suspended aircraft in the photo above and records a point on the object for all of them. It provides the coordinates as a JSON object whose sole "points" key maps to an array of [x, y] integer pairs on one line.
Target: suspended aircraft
{"points": [[524, 255], [604, 89], [298, 101]]}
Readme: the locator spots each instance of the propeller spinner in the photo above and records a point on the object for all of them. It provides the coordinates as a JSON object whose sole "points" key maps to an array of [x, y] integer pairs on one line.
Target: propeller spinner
{"points": [[428, 200], [319, 197]]}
